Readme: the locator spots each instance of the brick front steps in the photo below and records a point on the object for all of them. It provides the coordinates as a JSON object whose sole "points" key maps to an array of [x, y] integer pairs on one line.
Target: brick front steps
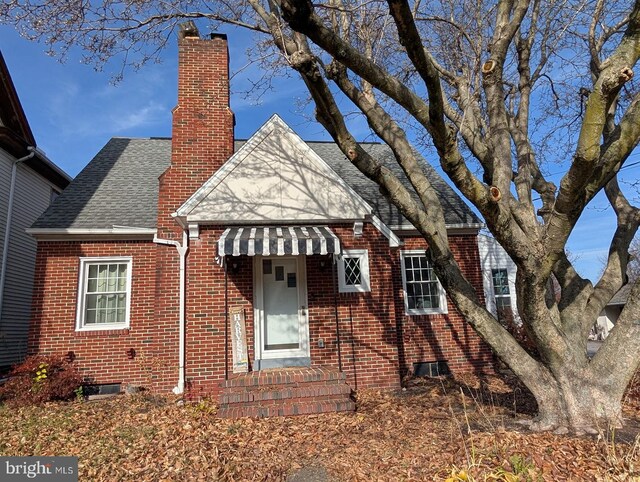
{"points": [[287, 391]]}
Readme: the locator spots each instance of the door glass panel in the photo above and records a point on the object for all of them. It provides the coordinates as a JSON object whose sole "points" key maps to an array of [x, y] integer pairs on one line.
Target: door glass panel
{"points": [[281, 322]]}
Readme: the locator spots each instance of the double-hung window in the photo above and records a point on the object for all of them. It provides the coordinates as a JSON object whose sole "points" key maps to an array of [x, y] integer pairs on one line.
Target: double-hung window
{"points": [[353, 271], [501, 292], [423, 293], [104, 293]]}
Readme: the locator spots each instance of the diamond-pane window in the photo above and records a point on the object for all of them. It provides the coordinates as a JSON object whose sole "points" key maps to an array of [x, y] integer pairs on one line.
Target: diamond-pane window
{"points": [[353, 271]]}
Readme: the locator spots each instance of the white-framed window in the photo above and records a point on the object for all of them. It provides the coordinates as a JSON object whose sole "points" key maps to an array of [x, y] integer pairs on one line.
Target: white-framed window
{"points": [[501, 293], [353, 271], [423, 293], [104, 293]]}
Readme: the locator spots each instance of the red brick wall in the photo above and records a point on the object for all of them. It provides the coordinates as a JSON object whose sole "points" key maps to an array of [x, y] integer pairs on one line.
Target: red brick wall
{"points": [[202, 129], [447, 337], [206, 318], [202, 140], [102, 354], [379, 343], [371, 324], [368, 332]]}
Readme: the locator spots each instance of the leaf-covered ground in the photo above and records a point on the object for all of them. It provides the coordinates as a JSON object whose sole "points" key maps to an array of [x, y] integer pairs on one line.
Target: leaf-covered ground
{"points": [[429, 431]]}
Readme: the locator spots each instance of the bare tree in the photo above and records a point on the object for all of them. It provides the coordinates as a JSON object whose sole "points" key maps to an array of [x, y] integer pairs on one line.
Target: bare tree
{"points": [[495, 90]]}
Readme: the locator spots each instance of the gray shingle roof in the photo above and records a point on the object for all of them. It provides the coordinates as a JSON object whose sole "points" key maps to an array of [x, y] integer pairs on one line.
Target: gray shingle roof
{"points": [[456, 211], [620, 298], [120, 187]]}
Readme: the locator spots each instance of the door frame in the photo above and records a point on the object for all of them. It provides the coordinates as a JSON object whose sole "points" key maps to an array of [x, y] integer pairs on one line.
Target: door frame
{"points": [[287, 357]]}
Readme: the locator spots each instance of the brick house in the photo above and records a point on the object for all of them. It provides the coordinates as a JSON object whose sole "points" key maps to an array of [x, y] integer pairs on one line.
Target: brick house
{"points": [[213, 266]]}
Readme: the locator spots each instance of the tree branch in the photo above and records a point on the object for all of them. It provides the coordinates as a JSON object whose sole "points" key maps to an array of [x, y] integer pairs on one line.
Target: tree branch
{"points": [[492, 80], [571, 198], [614, 276], [449, 273], [622, 345]]}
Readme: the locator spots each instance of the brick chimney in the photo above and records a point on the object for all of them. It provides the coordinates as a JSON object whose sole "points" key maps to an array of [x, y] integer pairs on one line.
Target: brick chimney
{"points": [[202, 130]]}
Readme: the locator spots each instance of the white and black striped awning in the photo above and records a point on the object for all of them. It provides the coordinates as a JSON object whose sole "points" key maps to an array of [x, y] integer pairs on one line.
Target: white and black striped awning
{"points": [[280, 241]]}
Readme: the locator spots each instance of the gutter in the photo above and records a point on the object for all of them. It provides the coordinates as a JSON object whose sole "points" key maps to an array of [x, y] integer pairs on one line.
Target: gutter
{"points": [[182, 251], [411, 227], [51, 165], [7, 230], [88, 234]]}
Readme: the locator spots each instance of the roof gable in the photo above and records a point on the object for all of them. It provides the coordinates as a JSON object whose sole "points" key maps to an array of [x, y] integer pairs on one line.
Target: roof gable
{"points": [[274, 177]]}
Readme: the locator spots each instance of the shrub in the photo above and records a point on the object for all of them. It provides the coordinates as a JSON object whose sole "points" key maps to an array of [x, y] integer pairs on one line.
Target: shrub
{"points": [[39, 379]]}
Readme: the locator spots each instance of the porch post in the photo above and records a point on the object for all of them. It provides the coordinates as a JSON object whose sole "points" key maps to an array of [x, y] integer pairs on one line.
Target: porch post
{"points": [[226, 322], [335, 306]]}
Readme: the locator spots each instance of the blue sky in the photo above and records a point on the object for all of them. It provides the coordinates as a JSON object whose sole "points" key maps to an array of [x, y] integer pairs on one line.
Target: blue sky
{"points": [[74, 110]]}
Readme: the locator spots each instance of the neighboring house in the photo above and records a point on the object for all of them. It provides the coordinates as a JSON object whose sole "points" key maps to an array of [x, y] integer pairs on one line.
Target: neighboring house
{"points": [[28, 183], [498, 279], [182, 263], [610, 314], [499, 275]]}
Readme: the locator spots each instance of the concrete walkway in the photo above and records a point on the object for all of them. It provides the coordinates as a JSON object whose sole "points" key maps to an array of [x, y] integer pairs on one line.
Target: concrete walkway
{"points": [[310, 474]]}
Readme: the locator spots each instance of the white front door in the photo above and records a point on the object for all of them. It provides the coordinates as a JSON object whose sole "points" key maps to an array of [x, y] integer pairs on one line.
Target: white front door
{"points": [[282, 331]]}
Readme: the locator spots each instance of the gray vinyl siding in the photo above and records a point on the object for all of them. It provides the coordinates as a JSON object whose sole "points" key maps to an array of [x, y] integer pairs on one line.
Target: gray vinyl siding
{"points": [[32, 196], [5, 179]]}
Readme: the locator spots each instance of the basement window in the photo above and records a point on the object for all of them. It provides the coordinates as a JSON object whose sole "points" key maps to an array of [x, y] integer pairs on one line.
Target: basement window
{"points": [[104, 389], [353, 271], [431, 369], [104, 293]]}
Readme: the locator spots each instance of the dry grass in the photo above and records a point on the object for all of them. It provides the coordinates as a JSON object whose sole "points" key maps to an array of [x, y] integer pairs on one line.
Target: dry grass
{"points": [[434, 430]]}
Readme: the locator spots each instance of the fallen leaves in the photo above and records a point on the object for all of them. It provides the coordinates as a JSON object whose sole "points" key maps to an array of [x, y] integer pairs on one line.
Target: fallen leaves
{"points": [[430, 431]]}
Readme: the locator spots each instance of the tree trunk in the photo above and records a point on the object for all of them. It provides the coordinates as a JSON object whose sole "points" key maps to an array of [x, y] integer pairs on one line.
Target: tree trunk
{"points": [[577, 401]]}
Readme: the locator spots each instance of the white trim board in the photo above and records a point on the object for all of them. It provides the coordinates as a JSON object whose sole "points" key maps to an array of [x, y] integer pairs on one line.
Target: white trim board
{"points": [[91, 234]]}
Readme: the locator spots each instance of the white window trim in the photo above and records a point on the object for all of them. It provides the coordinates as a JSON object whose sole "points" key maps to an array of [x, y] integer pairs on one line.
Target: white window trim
{"points": [[442, 310], [82, 282], [495, 296], [365, 284]]}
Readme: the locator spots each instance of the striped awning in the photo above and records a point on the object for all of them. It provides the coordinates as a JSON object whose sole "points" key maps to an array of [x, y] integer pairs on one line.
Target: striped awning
{"points": [[280, 241]]}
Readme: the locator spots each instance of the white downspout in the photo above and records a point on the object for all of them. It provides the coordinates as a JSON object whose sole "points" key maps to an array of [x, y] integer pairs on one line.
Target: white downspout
{"points": [[182, 251], [7, 229]]}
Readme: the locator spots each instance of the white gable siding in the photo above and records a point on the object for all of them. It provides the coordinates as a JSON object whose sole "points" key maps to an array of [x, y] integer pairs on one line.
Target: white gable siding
{"points": [[31, 198], [493, 256], [275, 177]]}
